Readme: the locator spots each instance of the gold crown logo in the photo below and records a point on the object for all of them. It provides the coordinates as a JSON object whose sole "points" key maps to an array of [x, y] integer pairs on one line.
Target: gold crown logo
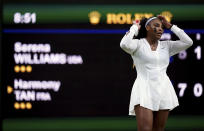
{"points": [[94, 17], [167, 15]]}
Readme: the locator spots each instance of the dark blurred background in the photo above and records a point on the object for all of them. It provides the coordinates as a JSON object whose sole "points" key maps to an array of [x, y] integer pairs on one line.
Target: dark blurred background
{"points": [[62, 67]]}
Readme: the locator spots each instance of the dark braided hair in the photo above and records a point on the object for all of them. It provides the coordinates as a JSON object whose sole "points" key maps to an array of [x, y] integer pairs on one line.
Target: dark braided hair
{"points": [[142, 32]]}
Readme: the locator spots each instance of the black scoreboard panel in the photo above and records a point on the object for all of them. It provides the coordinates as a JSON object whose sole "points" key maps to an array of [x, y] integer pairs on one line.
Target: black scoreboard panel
{"points": [[64, 60]]}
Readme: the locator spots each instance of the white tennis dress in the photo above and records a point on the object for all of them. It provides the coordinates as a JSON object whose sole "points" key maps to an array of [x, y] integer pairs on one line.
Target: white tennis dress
{"points": [[152, 88]]}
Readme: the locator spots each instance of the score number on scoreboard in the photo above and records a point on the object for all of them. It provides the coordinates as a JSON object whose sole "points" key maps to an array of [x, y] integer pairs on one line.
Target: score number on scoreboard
{"points": [[197, 88]]}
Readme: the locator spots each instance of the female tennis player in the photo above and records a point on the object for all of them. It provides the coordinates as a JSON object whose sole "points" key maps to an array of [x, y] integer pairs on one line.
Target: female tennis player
{"points": [[153, 95]]}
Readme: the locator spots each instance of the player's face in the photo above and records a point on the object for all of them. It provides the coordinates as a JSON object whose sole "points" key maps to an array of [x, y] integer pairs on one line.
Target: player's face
{"points": [[156, 28]]}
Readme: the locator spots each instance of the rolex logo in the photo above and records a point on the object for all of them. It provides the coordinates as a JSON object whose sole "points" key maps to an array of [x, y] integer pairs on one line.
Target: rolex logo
{"points": [[94, 17], [167, 15]]}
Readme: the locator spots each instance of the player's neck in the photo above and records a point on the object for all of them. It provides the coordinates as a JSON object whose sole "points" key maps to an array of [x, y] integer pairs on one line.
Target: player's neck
{"points": [[151, 40]]}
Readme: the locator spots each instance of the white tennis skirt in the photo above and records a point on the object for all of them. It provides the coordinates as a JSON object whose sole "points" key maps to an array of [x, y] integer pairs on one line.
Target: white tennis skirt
{"points": [[153, 94]]}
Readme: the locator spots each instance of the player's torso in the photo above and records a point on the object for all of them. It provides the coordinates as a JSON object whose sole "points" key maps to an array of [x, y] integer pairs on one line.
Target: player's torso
{"points": [[151, 59]]}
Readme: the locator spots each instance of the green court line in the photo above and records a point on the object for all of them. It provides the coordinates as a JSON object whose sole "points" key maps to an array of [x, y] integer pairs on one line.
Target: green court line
{"points": [[98, 123]]}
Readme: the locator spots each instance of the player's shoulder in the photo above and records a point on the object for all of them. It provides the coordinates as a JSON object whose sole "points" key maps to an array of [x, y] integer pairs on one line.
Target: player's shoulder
{"points": [[141, 40], [164, 44]]}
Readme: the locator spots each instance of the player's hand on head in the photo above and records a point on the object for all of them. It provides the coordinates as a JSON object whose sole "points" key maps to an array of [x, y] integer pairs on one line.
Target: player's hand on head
{"points": [[167, 24], [137, 23], [135, 27]]}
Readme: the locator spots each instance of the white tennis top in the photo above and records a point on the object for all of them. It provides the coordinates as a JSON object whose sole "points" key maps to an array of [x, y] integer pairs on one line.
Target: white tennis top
{"points": [[152, 88]]}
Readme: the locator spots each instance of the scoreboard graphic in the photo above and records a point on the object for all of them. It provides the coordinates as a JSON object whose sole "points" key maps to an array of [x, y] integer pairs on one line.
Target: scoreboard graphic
{"points": [[65, 60]]}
